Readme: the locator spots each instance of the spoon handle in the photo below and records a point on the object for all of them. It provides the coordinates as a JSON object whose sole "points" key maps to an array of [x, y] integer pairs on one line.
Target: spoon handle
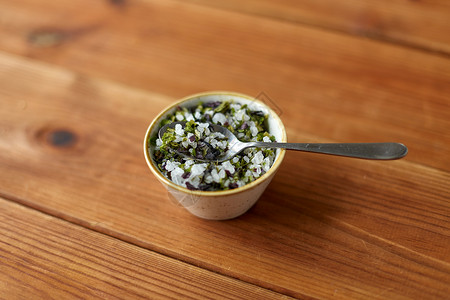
{"points": [[358, 150]]}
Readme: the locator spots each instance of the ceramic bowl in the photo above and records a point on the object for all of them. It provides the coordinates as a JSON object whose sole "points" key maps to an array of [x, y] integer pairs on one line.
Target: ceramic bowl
{"points": [[217, 205]]}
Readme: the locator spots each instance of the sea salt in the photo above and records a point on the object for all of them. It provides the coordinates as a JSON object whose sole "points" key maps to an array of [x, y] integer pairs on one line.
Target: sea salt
{"points": [[194, 181], [177, 174], [266, 164], [179, 130], [219, 135], [170, 166], [189, 163], [258, 158], [188, 116], [198, 169], [257, 171], [254, 130], [194, 174], [203, 129], [208, 179], [239, 115], [219, 118], [235, 106], [222, 144], [179, 117], [227, 166], [215, 175]]}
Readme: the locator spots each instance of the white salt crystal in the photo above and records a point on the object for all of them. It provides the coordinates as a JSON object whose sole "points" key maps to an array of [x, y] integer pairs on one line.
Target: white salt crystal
{"points": [[239, 115], [219, 135], [219, 118], [213, 143], [266, 164], [257, 172], [215, 175], [222, 144], [235, 106], [254, 130], [179, 130], [170, 166], [258, 158], [176, 175], [227, 166], [195, 181], [208, 179], [189, 163], [198, 169]]}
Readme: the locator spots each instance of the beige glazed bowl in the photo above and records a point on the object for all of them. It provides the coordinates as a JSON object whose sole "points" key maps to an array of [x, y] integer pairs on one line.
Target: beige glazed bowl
{"points": [[217, 205]]}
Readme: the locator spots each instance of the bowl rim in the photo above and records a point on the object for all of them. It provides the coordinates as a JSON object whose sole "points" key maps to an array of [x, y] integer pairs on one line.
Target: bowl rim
{"points": [[243, 188]]}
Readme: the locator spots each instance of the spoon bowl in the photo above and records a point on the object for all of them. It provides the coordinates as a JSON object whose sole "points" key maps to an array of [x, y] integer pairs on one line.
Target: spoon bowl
{"points": [[378, 151]]}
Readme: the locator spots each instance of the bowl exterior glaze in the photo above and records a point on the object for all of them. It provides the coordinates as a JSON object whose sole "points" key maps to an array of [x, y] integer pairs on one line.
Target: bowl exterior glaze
{"points": [[218, 205]]}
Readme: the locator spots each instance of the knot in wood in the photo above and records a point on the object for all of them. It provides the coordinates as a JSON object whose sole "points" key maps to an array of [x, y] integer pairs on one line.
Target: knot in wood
{"points": [[47, 38], [61, 138]]}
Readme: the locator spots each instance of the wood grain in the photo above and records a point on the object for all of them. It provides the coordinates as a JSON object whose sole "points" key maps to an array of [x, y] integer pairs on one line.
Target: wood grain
{"points": [[42, 257], [316, 78], [81, 80], [418, 24], [333, 227]]}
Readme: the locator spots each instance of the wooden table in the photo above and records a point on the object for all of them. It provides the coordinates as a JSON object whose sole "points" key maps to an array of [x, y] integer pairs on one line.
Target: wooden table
{"points": [[81, 216]]}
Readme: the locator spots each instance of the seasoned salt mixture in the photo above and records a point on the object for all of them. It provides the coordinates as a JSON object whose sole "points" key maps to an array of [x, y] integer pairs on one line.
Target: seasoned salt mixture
{"points": [[197, 139]]}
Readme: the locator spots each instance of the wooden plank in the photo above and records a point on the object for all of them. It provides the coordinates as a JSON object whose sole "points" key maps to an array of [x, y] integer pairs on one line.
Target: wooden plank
{"points": [[420, 24], [326, 226], [42, 257], [315, 77]]}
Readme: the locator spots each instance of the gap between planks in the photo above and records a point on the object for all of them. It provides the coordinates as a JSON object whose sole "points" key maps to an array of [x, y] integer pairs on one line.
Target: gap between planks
{"points": [[78, 225], [364, 34]]}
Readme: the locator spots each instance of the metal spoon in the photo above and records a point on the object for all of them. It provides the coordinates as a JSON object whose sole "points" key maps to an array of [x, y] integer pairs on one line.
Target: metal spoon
{"points": [[379, 151]]}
